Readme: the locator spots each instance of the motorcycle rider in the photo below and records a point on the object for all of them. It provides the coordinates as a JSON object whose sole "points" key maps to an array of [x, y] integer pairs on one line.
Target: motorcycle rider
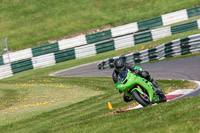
{"points": [[121, 65]]}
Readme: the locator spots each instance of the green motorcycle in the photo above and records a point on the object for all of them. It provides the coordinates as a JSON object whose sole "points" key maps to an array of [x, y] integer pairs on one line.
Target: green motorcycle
{"points": [[138, 88]]}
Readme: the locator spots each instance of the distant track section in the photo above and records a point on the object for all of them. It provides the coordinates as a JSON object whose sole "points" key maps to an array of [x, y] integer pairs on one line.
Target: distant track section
{"points": [[187, 68]]}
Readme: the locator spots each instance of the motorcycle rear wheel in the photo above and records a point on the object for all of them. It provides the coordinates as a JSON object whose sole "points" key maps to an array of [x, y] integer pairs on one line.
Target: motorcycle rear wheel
{"points": [[140, 99]]}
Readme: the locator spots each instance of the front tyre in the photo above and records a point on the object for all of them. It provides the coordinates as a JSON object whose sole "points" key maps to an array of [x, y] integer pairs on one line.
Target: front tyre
{"points": [[140, 99]]}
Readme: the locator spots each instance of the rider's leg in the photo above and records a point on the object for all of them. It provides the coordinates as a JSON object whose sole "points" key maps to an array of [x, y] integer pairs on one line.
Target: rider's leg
{"points": [[162, 97], [145, 74]]}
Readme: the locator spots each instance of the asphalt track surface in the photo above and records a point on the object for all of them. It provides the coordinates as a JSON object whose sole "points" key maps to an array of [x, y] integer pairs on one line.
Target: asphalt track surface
{"points": [[186, 69]]}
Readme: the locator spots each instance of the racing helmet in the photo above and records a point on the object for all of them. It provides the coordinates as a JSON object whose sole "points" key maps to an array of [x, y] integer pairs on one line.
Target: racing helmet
{"points": [[119, 64]]}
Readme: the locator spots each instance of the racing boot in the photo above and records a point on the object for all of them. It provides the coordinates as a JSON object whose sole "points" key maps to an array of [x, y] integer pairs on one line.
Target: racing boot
{"points": [[127, 98], [161, 95], [155, 84], [159, 92], [155, 87]]}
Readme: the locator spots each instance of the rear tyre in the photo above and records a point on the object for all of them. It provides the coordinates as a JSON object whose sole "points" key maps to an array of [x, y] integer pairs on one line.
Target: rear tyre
{"points": [[140, 99]]}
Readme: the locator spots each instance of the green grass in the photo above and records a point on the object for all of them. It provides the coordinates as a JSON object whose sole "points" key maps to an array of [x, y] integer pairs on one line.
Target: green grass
{"points": [[32, 23], [32, 101], [78, 104], [178, 116]]}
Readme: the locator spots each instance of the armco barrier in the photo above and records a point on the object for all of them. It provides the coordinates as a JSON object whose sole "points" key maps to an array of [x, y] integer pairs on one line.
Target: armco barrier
{"points": [[5, 71], [64, 55], [176, 47], [192, 12], [142, 37], [116, 38], [161, 32], [162, 20], [1, 60], [19, 55], [22, 65], [99, 36], [45, 49], [184, 27], [190, 44], [198, 23], [127, 41], [85, 51], [71, 42], [123, 30], [174, 17], [117, 42], [150, 23], [43, 60], [105, 46]]}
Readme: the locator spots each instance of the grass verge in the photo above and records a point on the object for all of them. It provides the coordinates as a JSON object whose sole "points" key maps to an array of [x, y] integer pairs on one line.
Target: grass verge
{"points": [[74, 104], [34, 102], [28, 24]]}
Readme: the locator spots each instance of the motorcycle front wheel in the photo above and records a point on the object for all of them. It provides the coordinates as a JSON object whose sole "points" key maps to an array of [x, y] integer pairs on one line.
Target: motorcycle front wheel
{"points": [[140, 99]]}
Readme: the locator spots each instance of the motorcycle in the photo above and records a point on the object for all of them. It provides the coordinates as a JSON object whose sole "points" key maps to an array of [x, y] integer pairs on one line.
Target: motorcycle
{"points": [[138, 88]]}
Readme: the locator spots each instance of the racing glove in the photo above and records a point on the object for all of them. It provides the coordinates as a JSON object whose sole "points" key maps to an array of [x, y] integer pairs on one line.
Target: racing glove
{"points": [[138, 70]]}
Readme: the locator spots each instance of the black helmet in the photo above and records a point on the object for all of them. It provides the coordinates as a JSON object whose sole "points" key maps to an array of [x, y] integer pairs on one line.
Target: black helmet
{"points": [[119, 64]]}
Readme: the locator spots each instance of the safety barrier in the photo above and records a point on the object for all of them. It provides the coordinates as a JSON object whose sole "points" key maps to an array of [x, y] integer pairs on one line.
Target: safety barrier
{"points": [[116, 32], [65, 55], [22, 65], [190, 44], [19, 55], [5, 71], [92, 44], [71, 42], [44, 60], [85, 51], [1, 60], [101, 46], [45, 49]]}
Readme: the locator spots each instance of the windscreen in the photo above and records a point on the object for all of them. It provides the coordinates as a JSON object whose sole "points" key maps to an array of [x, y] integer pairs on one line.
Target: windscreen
{"points": [[122, 75]]}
